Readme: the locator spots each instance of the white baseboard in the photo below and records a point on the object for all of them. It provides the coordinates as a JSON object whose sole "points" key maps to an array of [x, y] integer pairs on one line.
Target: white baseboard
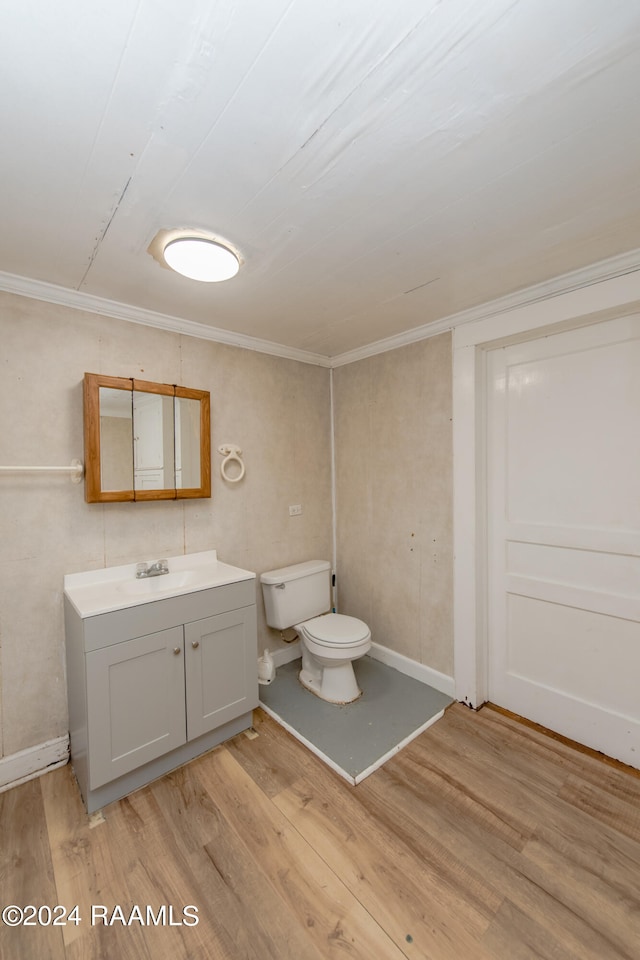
{"points": [[411, 668], [31, 763], [439, 681]]}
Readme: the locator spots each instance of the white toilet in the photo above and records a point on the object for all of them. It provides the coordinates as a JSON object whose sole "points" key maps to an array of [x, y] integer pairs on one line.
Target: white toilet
{"points": [[299, 596]]}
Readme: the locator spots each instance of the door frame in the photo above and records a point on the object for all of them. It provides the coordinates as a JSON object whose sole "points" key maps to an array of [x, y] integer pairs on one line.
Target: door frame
{"points": [[590, 303]]}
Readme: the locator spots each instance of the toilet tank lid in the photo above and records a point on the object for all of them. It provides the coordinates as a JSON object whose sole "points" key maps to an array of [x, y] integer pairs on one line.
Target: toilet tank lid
{"points": [[295, 571]]}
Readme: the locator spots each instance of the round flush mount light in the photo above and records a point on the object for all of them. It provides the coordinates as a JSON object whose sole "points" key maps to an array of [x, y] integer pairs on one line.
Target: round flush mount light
{"points": [[196, 255], [201, 259]]}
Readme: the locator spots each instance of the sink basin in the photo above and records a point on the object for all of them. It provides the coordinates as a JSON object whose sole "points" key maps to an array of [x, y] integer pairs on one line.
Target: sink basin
{"points": [[114, 588], [167, 582]]}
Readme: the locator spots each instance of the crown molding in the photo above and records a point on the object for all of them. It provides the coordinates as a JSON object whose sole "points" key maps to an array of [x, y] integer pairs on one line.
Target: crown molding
{"points": [[586, 276], [617, 266], [76, 300]]}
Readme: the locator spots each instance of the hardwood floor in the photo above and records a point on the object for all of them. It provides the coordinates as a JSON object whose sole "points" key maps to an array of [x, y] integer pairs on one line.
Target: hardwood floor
{"points": [[484, 838]]}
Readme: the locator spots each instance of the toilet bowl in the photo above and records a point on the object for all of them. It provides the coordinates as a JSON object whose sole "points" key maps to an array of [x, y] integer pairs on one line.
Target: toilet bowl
{"points": [[329, 645], [299, 596]]}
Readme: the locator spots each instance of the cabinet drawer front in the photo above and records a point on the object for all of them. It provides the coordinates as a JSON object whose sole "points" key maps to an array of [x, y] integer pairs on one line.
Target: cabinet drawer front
{"points": [[136, 709], [108, 628]]}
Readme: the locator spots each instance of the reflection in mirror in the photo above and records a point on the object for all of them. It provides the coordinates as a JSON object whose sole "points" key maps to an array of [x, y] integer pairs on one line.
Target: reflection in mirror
{"points": [[153, 441], [116, 439], [187, 436]]}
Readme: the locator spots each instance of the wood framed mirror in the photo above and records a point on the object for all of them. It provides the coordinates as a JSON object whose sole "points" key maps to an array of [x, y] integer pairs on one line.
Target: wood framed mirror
{"points": [[145, 441]]}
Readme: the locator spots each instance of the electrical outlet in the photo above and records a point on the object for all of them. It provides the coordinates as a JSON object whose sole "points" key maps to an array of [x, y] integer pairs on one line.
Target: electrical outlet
{"points": [[295, 510]]}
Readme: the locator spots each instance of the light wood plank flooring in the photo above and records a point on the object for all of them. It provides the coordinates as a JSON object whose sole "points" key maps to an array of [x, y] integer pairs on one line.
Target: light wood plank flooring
{"points": [[484, 838]]}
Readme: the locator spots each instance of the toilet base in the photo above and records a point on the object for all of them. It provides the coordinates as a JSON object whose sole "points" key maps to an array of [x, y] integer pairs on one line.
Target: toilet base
{"points": [[335, 684]]}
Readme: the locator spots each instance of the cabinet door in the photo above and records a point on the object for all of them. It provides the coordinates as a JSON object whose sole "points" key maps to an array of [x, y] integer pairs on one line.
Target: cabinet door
{"points": [[135, 698], [221, 669]]}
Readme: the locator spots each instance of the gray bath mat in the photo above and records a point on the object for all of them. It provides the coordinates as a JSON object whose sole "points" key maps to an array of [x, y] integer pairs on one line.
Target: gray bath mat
{"points": [[355, 738]]}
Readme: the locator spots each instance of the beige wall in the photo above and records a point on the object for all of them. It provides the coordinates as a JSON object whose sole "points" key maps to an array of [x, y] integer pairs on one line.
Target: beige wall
{"points": [[277, 410], [393, 475], [394, 494]]}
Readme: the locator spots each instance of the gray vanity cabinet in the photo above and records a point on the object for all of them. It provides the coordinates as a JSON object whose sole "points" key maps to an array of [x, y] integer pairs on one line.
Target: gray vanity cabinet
{"points": [[154, 685]]}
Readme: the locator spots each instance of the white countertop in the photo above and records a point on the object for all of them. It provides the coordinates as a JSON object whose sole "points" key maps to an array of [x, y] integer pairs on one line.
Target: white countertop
{"points": [[115, 588]]}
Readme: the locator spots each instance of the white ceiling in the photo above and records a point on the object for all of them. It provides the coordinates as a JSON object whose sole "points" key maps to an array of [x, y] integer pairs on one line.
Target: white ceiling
{"points": [[379, 165]]}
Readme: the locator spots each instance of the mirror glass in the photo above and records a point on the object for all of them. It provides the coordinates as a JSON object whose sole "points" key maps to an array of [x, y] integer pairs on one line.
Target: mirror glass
{"points": [[153, 457], [116, 439], [145, 441], [187, 442]]}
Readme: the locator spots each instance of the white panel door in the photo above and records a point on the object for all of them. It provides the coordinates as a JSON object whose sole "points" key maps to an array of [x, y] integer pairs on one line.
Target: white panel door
{"points": [[563, 498]]}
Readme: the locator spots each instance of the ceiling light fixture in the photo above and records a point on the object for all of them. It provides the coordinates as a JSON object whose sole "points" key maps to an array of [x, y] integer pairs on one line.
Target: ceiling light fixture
{"points": [[196, 254], [201, 259]]}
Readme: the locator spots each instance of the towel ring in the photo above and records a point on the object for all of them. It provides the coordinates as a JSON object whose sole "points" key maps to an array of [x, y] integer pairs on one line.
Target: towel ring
{"points": [[231, 452]]}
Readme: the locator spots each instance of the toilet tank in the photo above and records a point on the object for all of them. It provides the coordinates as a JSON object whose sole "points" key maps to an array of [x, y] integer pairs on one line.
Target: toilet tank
{"points": [[296, 593]]}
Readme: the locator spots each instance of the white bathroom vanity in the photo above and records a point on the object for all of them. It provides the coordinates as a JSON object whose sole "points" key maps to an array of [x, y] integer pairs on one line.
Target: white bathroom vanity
{"points": [[160, 668]]}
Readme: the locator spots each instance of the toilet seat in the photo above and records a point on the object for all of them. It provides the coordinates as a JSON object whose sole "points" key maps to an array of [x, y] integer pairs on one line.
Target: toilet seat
{"points": [[336, 630]]}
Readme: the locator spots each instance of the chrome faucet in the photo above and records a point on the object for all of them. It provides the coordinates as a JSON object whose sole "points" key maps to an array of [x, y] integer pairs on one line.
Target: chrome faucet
{"points": [[152, 569]]}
